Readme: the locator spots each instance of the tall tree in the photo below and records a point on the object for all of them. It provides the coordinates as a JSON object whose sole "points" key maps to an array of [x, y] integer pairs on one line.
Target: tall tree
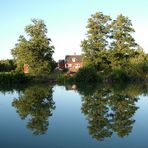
{"points": [[36, 50], [123, 44], [95, 45]]}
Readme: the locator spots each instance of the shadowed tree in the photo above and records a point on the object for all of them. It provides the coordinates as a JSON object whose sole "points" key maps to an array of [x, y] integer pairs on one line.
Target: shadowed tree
{"points": [[97, 112], [37, 104], [123, 108], [109, 111], [7, 65]]}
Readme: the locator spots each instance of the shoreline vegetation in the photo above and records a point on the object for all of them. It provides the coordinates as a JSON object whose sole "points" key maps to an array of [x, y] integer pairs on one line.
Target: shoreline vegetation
{"points": [[11, 78], [110, 54]]}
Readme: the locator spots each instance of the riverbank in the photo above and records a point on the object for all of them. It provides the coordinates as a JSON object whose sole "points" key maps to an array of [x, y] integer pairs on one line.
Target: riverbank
{"points": [[87, 77]]}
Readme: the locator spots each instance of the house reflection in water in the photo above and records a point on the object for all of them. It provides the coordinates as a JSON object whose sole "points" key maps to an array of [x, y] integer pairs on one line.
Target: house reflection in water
{"points": [[71, 87]]}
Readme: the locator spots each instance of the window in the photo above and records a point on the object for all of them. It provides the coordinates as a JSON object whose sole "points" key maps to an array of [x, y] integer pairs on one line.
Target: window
{"points": [[73, 59], [69, 65], [77, 65]]}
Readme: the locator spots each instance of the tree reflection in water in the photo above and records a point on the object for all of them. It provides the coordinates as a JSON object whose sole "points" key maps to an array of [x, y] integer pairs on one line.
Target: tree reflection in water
{"points": [[110, 110], [37, 104]]}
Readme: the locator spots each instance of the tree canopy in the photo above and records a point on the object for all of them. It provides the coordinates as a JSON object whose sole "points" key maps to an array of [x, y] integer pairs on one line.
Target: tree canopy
{"points": [[95, 45], [7, 65], [35, 50], [109, 46]]}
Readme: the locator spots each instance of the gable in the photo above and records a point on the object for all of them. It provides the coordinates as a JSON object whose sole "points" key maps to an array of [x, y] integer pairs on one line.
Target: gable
{"points": [[73, 58]]}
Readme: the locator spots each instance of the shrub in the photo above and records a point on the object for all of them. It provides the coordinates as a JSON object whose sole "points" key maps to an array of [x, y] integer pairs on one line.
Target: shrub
{"points": [[144, 69], [86, 74], [120, 75], [7, 65], [13, 77]]}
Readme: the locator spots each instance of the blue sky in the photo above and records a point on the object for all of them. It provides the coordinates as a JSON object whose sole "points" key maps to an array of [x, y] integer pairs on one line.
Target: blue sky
{"points": [[66, 21]]}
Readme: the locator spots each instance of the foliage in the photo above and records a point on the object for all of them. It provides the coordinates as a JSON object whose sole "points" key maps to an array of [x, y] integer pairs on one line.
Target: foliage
{"points": [[143, 69], [13, 77], [120, 75], [7, 65], [94, 47], [53, 65], [86, 74], [111, 49], [36, 50], [123, 46]]}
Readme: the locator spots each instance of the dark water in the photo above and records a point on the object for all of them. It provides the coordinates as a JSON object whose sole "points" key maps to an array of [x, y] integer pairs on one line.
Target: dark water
{"points": [[42, 116]]}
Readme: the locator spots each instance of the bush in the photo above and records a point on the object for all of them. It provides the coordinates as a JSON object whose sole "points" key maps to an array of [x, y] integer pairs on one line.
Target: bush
{"points": [[86, 74], [13, 77], [7, 65], [144, 69], [120, 75]]}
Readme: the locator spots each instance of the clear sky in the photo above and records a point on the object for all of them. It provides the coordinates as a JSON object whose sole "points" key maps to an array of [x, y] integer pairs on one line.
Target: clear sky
{"points": [[66, 21]]}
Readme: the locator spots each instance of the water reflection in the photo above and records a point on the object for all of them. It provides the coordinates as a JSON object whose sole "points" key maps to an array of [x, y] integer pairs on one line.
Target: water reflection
{"points": [[11, 88], [37, 104], [110, 109]]}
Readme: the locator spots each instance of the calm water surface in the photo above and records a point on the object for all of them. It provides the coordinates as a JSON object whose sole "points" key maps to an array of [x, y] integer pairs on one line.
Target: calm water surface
{"points": [[43, 116]]}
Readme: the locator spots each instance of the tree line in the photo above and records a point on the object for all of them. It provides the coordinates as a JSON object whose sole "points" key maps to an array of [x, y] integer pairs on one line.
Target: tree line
{"points": [[109, 51], [110, 48], [7, 65]]}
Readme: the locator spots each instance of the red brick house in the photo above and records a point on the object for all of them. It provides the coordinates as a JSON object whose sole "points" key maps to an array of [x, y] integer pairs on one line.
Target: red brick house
{"points": [[73, 62], [26, 68], [61, 64]]}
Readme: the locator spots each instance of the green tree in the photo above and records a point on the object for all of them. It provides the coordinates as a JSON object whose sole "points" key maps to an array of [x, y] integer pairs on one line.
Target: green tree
{"points": [[89, 73], [36, 50], [7, 65], [123, 46], [95, 45], [139, 64], [110, 47]]}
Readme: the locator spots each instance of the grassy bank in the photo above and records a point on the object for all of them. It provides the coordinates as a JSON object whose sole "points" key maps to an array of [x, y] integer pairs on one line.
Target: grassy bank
{"points": [[88, 75], [13, 77], [84, 76]]}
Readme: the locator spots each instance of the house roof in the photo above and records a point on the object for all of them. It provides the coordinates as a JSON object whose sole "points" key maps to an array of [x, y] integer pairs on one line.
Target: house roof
{"points": [[69, 58], [61, 61]]}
